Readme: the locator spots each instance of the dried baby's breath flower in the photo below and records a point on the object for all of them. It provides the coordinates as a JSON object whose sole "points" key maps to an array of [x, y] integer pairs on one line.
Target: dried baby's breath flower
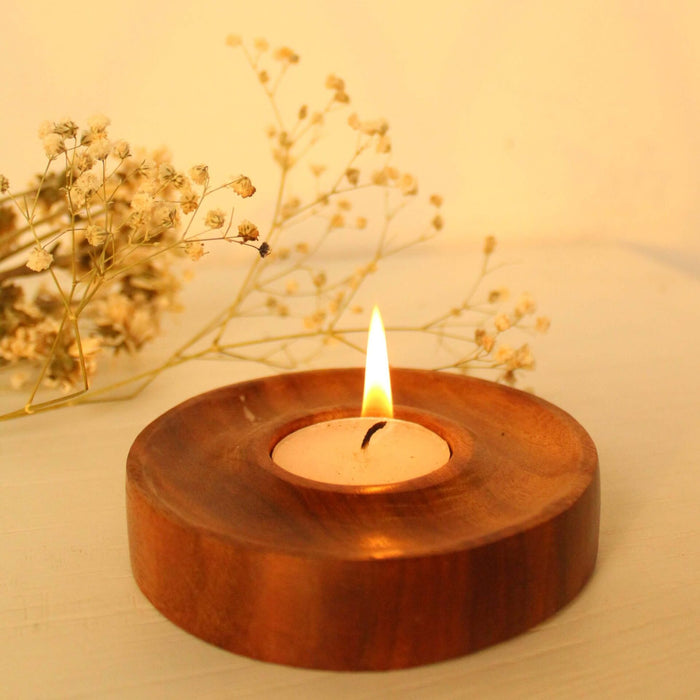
{"points": [[248, 231], [302, 248], [380, 177], [66, 128], [383, 144], [264, 77], [85, 186], [489, 245], [195, 249], [121, 150], [319, 279], [408, 185], [353, 175], [98, 123], [233, 40], [509, 377], [497, 295], [437, 222], [53, 145], [39, 259], [337, 221], [317, 170], [436, 200], [503, 354], [333, 82], [166, 173], [95, 235], [315, 320], [199, 174], [542, 324], [216, 218], [83, 161], [126, 323], [502, 322], [524, 358], [189, 201], [361, 222], [242, 186], [164, 216], [291, 286], [284, 53], [374, 127], [341, 97], [344, 204], [4, 184], [28, 342], [181, 182], [525, 305], [99, 148], [142, 201], [115, 310], [148, 168], [261, 44], [303, 112], [484, 339]]}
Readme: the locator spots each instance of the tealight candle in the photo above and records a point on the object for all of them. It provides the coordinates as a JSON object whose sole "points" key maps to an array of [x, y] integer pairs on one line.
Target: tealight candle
{"points": [[371, 450]]}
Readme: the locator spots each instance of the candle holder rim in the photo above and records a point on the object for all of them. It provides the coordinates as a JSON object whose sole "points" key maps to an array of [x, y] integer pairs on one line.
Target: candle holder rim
{"points": [[363, 491]]}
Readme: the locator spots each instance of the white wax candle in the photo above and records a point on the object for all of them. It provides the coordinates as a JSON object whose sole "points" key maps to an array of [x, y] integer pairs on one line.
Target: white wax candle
{"points": [[332, 452]]}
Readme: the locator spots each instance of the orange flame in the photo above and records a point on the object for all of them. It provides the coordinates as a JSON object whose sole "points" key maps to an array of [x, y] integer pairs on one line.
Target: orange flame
{"points": [[376, 401]]}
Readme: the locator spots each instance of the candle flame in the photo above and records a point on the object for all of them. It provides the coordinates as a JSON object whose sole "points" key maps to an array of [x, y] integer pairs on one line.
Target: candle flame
{"points": [[376, 400]]}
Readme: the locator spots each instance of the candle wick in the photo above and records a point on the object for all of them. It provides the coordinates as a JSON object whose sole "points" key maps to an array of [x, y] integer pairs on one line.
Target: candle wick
{"points": [[370, 432]]}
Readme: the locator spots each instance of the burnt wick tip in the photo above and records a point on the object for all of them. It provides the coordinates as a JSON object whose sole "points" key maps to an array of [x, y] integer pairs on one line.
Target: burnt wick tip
{"points": [[368, 435]]}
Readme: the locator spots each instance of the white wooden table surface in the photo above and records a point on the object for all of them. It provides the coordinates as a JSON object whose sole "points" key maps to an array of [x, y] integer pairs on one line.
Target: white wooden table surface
{"points": [[622, 357]]}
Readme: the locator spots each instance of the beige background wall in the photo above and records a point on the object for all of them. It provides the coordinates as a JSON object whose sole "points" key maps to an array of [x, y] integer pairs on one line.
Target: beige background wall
{"points": [[540, 118]]}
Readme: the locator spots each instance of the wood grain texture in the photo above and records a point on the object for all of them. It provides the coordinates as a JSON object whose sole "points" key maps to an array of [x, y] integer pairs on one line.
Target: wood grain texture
{"points": [[279, 568]]}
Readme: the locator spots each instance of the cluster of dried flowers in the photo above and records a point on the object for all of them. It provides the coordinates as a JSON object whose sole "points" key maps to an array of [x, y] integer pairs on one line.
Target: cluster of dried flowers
{"points": [[87, 251], [487, 348]]}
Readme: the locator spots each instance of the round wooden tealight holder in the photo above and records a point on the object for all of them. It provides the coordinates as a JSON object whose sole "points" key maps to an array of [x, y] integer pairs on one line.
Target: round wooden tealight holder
{"points": [[278, 567]]}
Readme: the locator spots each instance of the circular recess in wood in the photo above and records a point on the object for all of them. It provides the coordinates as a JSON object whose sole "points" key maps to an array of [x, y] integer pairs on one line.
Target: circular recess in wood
{"points": [[277, 567]]}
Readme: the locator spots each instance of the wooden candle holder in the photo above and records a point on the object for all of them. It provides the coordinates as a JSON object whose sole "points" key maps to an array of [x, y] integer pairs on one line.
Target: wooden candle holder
{"points": [[277, 567]]}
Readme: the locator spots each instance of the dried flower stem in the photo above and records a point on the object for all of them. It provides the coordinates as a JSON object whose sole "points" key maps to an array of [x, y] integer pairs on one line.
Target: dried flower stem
{"points": [[104, 236]]}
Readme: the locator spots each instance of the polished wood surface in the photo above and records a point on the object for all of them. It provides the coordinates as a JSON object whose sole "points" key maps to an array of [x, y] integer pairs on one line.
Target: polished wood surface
{"points": [[276, 567]]}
